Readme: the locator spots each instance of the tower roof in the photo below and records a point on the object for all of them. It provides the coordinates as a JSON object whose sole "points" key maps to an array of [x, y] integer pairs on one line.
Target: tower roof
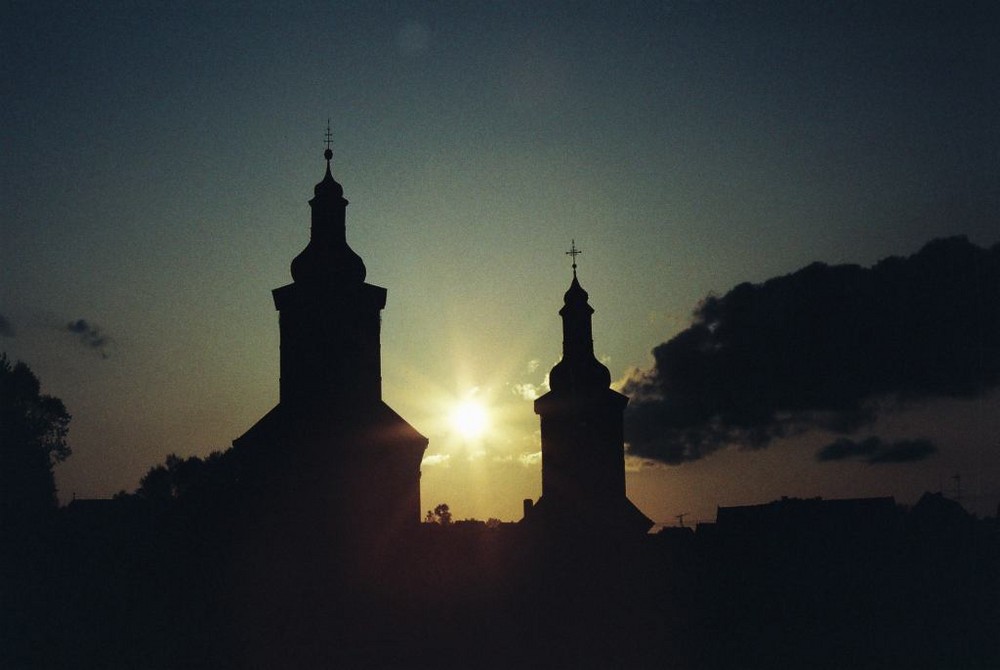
{"points": [[575, 296], [328, 260], [579, 370], [328, 187]]}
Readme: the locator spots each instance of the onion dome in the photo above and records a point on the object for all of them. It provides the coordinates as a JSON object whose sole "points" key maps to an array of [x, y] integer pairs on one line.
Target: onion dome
{"points": [[579, 370], [328, 187], [328, 261]]}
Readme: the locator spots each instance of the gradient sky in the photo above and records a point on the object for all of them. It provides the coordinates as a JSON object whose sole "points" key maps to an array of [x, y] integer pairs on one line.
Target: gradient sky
{"points": [[157, 161]]}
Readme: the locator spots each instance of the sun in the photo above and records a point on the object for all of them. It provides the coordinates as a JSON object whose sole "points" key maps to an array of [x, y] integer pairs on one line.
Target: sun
{"points": [[469, 419]]}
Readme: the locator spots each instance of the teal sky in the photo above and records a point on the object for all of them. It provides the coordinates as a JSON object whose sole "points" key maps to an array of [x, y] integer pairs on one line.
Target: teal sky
{"points": [[157, 161]]}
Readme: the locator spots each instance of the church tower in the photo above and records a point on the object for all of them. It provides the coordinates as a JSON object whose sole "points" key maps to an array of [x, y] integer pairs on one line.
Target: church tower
{"points": [[583, 459], [329, 317], [332, 462]]}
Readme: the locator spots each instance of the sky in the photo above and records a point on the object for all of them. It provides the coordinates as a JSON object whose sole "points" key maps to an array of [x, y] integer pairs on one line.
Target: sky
{"points": [[158, 158]]}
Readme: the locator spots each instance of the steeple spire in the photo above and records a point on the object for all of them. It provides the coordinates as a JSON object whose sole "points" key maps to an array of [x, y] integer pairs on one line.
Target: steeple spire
{"points": [[579, 370], [328, 259], [328, 140], [329, 186]]}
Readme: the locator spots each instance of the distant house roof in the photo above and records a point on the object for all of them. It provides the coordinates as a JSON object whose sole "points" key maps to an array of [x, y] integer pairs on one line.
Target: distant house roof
{"points": [[807, 514]]}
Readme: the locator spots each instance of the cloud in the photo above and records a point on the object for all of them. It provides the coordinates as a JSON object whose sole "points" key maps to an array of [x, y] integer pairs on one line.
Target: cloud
{"points": [[875, 451], [636, 464], [530, 459], [90, 336], [527, 391], [904, 451], [435, 459], [6, 327], [820, 349]]}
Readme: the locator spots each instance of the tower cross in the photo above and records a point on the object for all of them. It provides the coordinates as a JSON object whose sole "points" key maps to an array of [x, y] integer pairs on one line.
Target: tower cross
{"points": [[328, 136], [574, 252], [328, 140]]}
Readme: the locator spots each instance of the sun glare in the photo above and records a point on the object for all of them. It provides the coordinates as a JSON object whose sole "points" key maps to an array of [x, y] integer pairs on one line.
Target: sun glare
{"points": [[469, 419]]}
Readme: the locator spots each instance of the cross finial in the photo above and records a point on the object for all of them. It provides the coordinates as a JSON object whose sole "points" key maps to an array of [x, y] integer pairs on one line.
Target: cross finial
{"points": [[574, 252], [328, 140]]}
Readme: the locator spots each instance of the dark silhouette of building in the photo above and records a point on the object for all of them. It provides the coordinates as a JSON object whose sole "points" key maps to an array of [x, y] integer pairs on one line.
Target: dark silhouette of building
{"points": [[796, 525], [842, 518], [583, 458], [332, 455]]}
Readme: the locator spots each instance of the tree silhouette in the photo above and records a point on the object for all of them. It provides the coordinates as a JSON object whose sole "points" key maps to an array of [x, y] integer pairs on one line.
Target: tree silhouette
{"points": [[33, 430], [180, 477], [443, 514], [440, 515], [156, 485]]}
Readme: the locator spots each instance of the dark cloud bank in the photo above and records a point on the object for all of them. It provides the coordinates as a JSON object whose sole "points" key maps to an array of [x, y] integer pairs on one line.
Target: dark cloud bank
{"points": [[6, 327], [826, 348]]}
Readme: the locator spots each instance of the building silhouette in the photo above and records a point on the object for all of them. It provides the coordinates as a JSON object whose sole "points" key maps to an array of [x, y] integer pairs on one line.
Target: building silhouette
{"points": [[333, 458], [795, 524], [583, 457]]}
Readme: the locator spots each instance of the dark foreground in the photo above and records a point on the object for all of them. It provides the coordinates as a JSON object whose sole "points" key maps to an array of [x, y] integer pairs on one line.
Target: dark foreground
{"points": [[131, 587]]}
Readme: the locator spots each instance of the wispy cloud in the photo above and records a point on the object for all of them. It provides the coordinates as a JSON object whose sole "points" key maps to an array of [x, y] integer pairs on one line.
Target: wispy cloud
{"points": [[436, 459], [637, 464], [533, 458], [527, 391], [6, 327], [530, 390], [90, 336], [875, 451]]}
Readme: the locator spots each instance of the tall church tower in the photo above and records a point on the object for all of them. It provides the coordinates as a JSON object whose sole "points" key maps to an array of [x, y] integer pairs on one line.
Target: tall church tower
{"points": [[332, 461], [329, 317], [583, 459]]}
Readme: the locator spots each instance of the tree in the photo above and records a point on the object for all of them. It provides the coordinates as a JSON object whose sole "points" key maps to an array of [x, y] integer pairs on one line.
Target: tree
{"points": [[33, 430], [440, 515], [156, 485], [182, 477]]}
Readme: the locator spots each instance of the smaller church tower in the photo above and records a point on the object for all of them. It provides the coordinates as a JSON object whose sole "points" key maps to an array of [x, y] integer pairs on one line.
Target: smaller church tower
{"points": [[583, 458]]}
